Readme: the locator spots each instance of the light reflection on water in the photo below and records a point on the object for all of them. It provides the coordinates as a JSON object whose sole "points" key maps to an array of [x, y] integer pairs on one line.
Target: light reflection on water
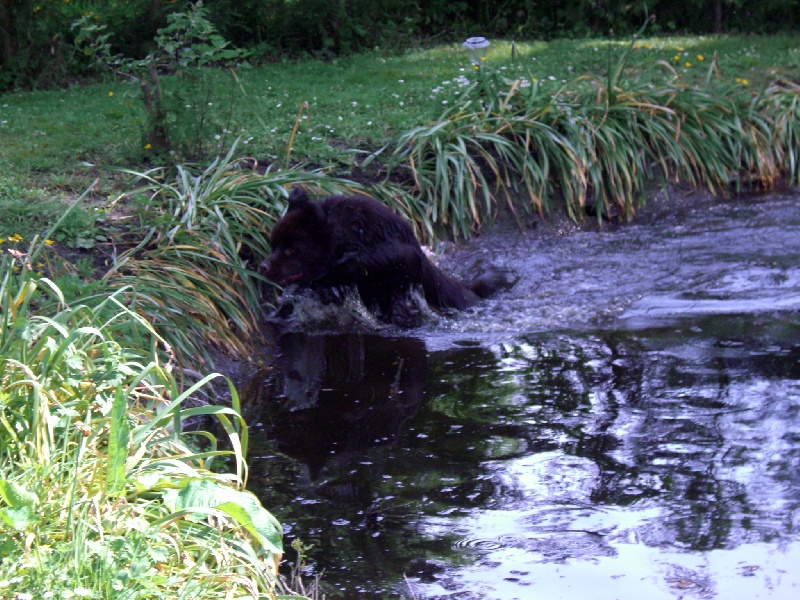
{"points": [[635, 571], [652, 450], [658, 462]]}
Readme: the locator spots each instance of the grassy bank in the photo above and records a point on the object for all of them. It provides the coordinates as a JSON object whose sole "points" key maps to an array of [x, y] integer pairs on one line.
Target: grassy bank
{"points": [[324, 113]]}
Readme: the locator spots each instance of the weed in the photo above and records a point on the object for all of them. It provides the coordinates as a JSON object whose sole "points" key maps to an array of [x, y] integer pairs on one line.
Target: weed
{"points": [[102, 493], [23, 215]]}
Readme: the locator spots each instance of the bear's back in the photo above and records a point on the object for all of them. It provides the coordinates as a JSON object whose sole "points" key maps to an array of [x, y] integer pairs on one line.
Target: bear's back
{"points": [[358, 221]]}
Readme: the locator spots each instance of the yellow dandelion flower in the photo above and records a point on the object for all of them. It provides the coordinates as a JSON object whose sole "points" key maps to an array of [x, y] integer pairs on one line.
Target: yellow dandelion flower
{"points": [[680, 49], [110, 94], [483, 58], [687, 64], [2, 240], [744, 82], [647, 46], [700, 57], [476, 67], [676, 57], [48, 242], [147, 146]]}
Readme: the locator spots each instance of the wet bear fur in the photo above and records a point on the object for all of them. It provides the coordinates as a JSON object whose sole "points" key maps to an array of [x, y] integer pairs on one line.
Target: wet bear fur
{"points": [[356, 242]]}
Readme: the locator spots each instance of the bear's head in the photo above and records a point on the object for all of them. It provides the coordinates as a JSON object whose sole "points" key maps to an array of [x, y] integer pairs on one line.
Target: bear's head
{"points": [[300, 244]]}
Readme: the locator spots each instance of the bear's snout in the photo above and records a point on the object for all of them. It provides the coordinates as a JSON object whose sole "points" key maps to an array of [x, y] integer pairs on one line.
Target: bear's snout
{"points": [[280, 273]]}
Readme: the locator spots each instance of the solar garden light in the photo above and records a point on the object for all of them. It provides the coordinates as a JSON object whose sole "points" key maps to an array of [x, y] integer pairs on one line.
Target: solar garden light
{"points": [[476, 49]]}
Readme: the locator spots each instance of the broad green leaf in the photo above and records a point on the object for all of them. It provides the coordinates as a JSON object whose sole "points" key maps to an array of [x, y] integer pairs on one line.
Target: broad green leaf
{"points": [[15, 495], [118, 439], [243, 507], [247, 511]]}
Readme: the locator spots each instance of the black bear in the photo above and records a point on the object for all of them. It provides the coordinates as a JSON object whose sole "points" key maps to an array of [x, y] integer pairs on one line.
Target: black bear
{"points": [[357, 242]]}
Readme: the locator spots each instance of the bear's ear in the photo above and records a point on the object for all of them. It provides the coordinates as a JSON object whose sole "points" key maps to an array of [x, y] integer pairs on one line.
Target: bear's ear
{"points": [[300, 203], [298, 198]]}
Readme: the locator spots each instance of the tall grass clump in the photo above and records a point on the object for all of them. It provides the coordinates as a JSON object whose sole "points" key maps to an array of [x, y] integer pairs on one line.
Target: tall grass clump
{"points": [[465, 165], [780, 105], [192, 273], [595, 143], [104, 492]]}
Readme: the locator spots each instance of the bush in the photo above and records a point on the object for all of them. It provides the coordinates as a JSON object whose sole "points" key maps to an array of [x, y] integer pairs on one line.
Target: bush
{"points": [[102, 492], [177, 115]]}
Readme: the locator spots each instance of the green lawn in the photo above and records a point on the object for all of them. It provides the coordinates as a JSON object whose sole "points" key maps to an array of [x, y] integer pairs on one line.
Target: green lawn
{"points": [[354, 102]]}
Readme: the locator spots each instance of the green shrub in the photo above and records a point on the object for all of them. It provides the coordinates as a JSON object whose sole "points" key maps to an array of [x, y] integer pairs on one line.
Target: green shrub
{"points": [[102, 492], [178, 118]]}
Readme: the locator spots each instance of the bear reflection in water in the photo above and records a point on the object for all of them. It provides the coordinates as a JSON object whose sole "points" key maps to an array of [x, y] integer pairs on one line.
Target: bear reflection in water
{"points": [[334, 394]]}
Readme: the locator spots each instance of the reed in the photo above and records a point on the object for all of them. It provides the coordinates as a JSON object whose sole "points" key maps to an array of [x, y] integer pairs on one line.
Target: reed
{"points": [[595, 143]]}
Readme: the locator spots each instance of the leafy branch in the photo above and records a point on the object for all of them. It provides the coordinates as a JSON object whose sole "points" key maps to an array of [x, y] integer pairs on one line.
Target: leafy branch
{"points": [[187, 44]]}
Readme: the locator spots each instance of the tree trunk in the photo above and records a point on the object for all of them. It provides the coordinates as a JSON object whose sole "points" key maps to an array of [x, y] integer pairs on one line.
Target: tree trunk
{"points": [[717, 16], [6, 27]]}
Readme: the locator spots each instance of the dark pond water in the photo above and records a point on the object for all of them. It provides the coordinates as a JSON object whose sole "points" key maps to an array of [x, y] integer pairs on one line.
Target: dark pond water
{"points": [[624, 423]]}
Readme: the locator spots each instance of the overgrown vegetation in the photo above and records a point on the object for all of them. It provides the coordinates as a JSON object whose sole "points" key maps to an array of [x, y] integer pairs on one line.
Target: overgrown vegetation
{"points": [[103, 493], [596, 142]]}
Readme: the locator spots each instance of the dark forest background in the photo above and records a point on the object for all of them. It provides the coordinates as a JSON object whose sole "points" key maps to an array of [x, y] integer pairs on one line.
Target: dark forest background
{"points": [[36, 37]]}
